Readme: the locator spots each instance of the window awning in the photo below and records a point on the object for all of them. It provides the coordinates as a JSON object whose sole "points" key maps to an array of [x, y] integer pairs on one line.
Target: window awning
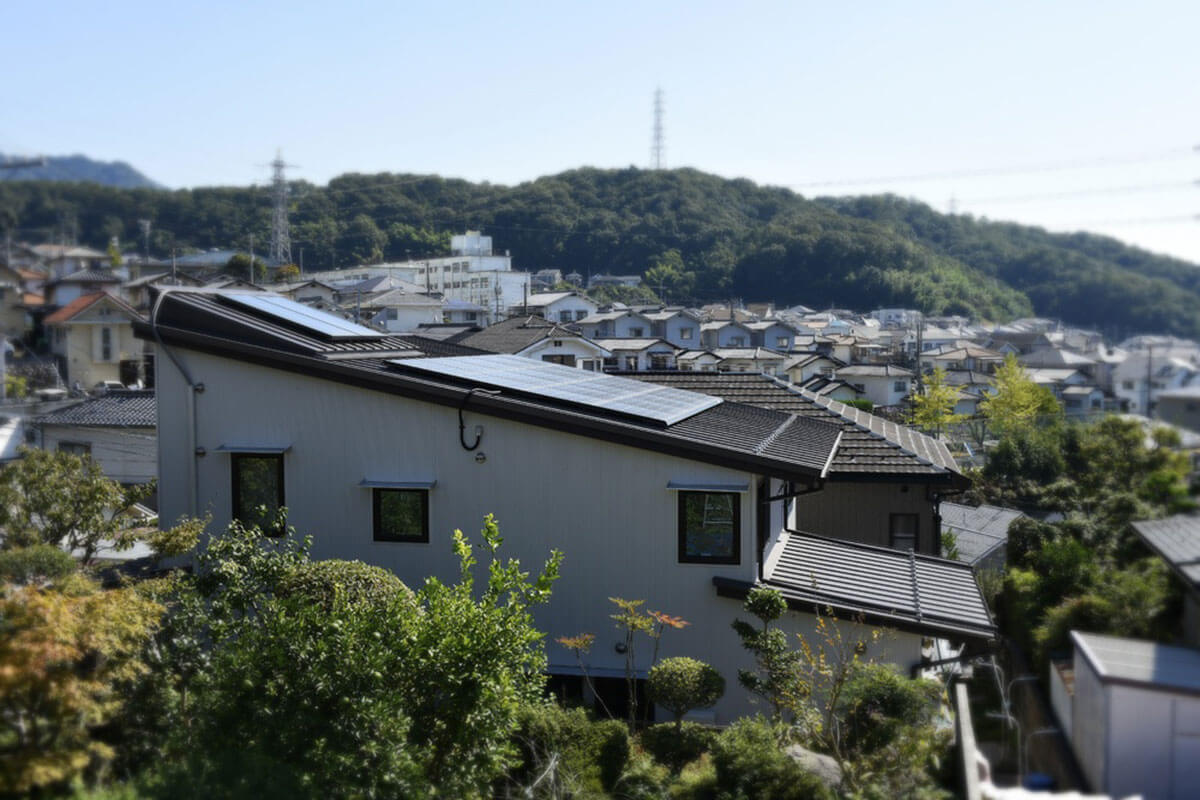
{"points": [[371, 483], [682, 486], [265, 449]]}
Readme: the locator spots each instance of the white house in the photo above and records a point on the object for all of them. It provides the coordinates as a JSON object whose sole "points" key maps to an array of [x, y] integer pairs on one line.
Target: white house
{"points": [[539, 338], [1140, 378], [399, 311], [680, 498], [725, 333], [561, 307], [883, 384], [92, 340], [637, 355], [804, 366], [116, 429], [617, 324]]}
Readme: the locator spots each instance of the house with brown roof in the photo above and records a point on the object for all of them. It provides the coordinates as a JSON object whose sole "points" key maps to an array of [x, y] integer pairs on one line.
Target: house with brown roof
{"points": [[92, 340]]}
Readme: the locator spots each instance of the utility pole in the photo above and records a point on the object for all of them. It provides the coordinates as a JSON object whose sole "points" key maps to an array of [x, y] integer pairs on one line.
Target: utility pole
{"points": [[1149, 374], [251, 258], [144, 224], [658, 148]]}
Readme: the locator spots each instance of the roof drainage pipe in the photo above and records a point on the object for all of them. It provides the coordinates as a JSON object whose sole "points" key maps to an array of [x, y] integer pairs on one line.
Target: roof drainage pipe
{"points": [[190, 404]]}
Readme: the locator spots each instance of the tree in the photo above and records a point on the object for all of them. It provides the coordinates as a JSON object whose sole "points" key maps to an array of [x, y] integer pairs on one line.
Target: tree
{"points": [[67, 650], [287, 272], [668, 275], [1018, 403], [65, 500], [239, 266], [777, 679], [682, 684], [114, 253], [362, 241], [934, 410]]}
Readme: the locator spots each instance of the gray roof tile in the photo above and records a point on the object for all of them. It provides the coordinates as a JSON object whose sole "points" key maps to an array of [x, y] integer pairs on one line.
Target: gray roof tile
{"points": [[1177, 540], [117, 409]]}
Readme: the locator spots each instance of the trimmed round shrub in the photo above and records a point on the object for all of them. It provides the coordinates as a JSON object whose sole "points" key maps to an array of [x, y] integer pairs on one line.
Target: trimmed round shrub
{"points": [[878, 702], [676, 747], [682, 684], [333, 582], [39, 563], [750, 764]]}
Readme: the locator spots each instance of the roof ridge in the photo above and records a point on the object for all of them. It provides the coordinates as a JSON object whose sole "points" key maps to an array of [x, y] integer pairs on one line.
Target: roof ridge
{"points": [[828, 402]]}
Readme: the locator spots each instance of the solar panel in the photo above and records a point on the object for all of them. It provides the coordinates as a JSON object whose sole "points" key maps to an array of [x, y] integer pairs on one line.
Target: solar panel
{"points": [[281, 309], [579, 387]]}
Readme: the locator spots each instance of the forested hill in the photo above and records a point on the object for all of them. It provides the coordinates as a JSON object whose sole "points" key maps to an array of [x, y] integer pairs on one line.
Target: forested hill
{"points": [[81, 168], [702, 237]]}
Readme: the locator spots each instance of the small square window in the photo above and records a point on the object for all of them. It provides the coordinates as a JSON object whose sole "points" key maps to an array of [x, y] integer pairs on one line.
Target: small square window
{"points": [[400, 515], [257, 489], [710, 527], [685, 333], [75, 448]]}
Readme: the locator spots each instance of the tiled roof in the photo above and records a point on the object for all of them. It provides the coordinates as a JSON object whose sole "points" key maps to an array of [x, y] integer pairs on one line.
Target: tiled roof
{"points": [[1177, 540], [116, 409], [978, 530], [514, 334], [81, 304], [869, 444], [875, 370], [634, 343], [880, 581], [89, 276], [438, 347]]}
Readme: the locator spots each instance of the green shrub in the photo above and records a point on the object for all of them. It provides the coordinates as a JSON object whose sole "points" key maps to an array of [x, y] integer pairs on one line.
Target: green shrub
{"points": [[750, 765], [39, 563], [643, 780], [682, 684], [674, 746], [591, 754], [332, 581], [877, 703]]}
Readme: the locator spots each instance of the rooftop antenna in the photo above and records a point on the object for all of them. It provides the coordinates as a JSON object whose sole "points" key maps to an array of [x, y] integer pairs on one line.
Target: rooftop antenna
{"points": [[658, 148], [281, 241]]}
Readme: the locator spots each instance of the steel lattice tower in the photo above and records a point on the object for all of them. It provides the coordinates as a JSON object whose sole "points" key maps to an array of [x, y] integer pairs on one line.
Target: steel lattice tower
{"points": [[281, 240], [658, 149]]}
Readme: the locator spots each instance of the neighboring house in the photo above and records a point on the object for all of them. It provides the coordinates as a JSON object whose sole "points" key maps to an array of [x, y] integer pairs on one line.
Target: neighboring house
{"points": [[772, 334], [67, 289], [678, 326], [697, 361], [1081, 401], [637, 355], [976, 359], [614, 280], [456, 311], [618, 324], [1142, 377], [680, 498], [400, 311], [307, 291], [884, 384], [92, 340], [749, 359], [139, 292], [561, 307], [1131, 710], [725, 333], [831, 388], [980, 533], [1180, 407], [66, 259], [1177, 541], [117, 429], [803, 367], [538, 338]]}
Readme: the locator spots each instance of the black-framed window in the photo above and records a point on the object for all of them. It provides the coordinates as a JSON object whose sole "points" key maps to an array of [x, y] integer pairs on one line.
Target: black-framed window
{"points": [[257, 489], [903, 530], [710, 527], [75, 448], [400, 515]]}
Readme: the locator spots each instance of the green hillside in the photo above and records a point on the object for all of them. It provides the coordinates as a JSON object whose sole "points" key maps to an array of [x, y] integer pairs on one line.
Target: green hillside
{"points": [[701, 237]]}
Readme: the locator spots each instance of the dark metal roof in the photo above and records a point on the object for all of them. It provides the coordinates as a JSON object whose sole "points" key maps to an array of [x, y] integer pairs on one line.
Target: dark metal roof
{"points": [[758, 440], [515, 334], [978, 531], [869, 444], [934, 592], [1177, 540], [438, 347], [116, 409]]}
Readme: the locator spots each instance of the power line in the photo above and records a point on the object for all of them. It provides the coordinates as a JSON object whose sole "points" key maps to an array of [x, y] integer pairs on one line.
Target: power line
{"points": [[1059, 166], [1089, 192]]}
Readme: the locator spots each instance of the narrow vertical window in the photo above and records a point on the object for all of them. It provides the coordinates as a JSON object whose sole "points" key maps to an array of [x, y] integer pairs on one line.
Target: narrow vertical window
{"points": [[710, 527], [903, 531], [257, 489]]}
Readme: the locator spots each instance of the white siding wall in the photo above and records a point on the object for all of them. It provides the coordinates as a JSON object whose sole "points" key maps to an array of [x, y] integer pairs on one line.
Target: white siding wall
{"points": [[1089, 722], [1153, 744], [606, 506], [573, 306], [673, 330], [127, 455]]}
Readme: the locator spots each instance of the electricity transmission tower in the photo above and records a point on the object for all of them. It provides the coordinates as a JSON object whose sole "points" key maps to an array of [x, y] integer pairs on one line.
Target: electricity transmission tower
{"points": [[281, 240], [657, 148]]}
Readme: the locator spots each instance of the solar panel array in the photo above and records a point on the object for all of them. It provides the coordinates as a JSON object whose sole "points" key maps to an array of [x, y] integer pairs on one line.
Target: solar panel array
{"points": [[289, 312], [557, 382]]}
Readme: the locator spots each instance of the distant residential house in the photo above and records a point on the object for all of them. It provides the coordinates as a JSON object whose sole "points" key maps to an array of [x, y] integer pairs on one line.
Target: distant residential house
{"points": [[697, 361], [772, 334], [884, 385], [1176, 540], [614, 280], [616, 324], [1180, 407], [978, 359], [65, 260], [139, 292], [832, 388], [803, 366], [1142, 377], [545, 279], [307, 291], [980, 532], [540, 339], [896, 317], [117, 430], [638, 355], [1081, 401], [68, 288], [679, 326], [400, 311], [92, 340], [1057, 379], [461, 312], [749, 359], [561, 307], [725, 333]]}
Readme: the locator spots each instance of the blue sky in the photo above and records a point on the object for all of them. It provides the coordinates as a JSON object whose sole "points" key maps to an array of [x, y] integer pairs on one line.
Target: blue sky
{"points": [[806, 95]]}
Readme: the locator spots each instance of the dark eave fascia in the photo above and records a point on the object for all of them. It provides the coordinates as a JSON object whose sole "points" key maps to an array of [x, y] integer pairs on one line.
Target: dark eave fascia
{"points": [[501, 406], [739, 589]]}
